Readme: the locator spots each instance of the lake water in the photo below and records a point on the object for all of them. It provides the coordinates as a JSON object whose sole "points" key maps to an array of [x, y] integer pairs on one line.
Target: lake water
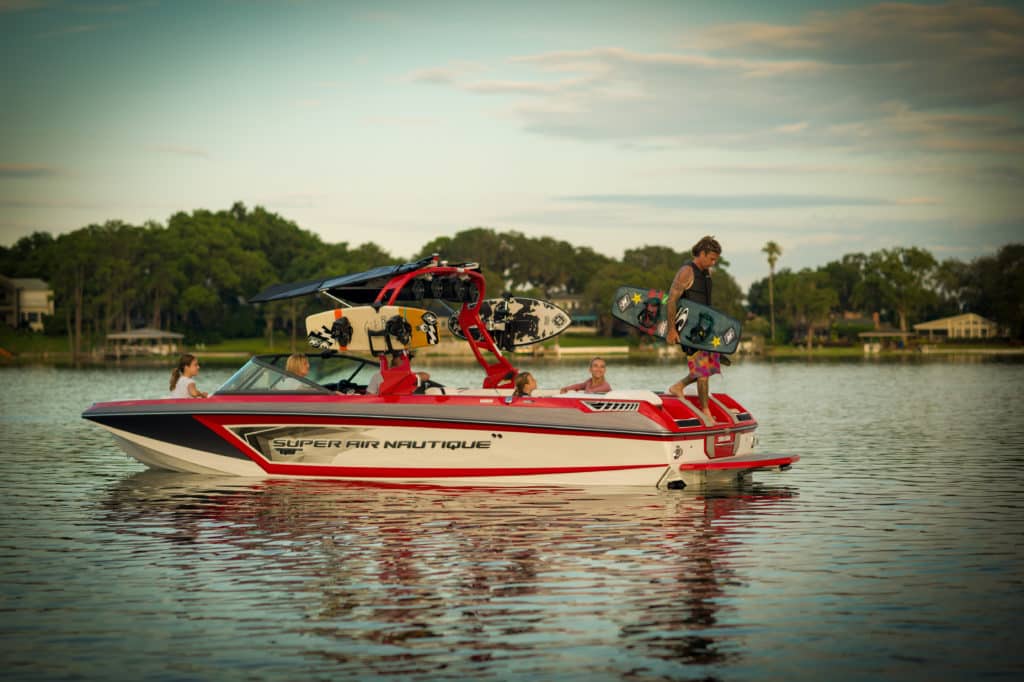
{"points": [[893, 550]]}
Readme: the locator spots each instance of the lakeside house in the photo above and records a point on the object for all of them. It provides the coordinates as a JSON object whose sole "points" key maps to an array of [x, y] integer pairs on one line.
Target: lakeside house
{"points": [[24, 302], [966, 326]]}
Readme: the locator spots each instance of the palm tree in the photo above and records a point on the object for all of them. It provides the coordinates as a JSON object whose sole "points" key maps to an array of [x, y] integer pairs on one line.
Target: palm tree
{"points": [[773, 251]]}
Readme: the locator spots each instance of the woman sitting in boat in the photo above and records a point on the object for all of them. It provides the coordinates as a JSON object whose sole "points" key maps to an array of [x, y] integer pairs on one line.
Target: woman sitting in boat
{"points": [[596, 383], [298, 364]]}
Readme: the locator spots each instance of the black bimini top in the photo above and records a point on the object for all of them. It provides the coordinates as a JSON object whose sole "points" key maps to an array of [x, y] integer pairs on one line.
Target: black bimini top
{"points": [[358, 287]]}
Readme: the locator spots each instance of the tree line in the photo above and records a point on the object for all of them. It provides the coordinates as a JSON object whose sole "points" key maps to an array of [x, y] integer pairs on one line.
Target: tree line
{"points": [[903, 285], [195, 274]]}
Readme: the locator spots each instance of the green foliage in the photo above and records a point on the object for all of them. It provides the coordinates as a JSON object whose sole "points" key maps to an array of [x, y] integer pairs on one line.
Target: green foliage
{"points": [[805, 298], [843, 277], [900, 280], [907, 285], [513, 262], [849, 331], [653, 257], [994, 287], [194, 275]]}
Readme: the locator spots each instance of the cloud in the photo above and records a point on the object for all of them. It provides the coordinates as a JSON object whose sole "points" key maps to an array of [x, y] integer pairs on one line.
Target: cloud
{"points": [[26, 171], [444, 75], [881, 34], [68, 30], [988, 175], [112, 8], [513, 87], [50, 204], [178, 150], [714, 202], [10, 6], [292, 200], [402, 121], [927, 78]]}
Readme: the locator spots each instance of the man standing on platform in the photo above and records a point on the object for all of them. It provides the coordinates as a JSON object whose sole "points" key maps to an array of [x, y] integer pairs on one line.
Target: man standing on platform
{"points": [[693, 281]]}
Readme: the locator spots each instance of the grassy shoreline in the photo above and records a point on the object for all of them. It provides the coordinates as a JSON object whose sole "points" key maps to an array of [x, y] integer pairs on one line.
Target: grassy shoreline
{"points": [[25, 348]]}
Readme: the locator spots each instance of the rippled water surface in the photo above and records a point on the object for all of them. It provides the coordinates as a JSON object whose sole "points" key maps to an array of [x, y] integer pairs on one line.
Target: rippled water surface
{"points": [[893, 550]]}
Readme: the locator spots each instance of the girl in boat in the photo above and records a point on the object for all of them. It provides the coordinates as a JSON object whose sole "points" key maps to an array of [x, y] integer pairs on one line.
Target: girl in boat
{"points": [[525, 385], [183, 383]]}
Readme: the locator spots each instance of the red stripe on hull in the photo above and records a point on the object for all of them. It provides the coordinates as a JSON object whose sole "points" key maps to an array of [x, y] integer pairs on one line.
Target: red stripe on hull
{"points": [[212, 420]]}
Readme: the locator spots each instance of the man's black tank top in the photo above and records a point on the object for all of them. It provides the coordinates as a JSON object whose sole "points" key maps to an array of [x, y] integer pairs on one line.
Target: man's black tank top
{"points": [[701, 289]]}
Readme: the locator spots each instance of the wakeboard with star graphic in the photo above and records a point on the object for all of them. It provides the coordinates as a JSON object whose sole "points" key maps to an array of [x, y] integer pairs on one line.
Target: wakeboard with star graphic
{"points": [[700, 327]]}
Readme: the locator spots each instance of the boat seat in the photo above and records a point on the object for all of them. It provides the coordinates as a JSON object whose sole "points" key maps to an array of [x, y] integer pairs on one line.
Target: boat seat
{"points": [[625, 394], [642, 395]]}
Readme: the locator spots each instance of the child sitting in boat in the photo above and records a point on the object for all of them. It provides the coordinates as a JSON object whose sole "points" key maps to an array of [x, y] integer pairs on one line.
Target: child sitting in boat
{"points": [[525, 385], [596, 383], [183, 383]]}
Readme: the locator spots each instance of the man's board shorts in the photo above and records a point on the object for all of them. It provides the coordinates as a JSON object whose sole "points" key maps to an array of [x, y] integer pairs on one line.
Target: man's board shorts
{"points": [[703, 363]]}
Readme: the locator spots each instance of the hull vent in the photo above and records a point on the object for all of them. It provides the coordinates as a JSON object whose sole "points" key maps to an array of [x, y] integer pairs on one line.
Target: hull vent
{"points": [[611, 406]]}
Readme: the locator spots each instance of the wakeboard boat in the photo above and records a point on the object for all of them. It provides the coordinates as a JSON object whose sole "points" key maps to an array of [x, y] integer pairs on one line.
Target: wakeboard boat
{"points": [[267, 422]]}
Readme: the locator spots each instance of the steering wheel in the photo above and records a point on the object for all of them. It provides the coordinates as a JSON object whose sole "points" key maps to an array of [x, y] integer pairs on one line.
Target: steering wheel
{"points": [[428, 383], [342, 386]]}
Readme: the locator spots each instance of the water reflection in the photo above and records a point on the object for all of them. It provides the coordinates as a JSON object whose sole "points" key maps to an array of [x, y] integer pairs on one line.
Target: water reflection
{"points": [[402, 580]]}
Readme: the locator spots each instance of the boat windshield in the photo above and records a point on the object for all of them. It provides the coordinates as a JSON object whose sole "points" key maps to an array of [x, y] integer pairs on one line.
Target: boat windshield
{"points": [[267, 374]]}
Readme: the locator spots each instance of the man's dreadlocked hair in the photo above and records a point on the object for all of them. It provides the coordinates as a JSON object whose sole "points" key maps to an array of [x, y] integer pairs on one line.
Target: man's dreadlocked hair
{"points": [[707, 243]]}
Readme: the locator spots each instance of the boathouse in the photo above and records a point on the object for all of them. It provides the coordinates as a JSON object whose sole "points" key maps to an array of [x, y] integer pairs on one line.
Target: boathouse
{"points": [[143, 341]]}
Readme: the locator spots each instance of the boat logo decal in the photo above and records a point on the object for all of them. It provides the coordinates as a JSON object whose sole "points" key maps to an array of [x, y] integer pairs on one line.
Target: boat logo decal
{"points": [[611, 406], [323, 445], [681, 316], [429, 327]]}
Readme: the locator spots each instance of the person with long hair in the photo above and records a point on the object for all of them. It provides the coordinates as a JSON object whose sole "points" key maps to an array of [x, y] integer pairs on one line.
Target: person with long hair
{"points": [[183, 383], [297, 364], [596, 383], [525, 385]]}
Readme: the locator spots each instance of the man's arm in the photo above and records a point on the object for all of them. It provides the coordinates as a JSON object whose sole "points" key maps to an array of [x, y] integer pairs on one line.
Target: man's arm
{"points": [[680, 283]]}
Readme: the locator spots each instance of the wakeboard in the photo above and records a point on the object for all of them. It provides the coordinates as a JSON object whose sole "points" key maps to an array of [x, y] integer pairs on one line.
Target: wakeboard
{"points": [[515, 321], [372, 329], [700, 327]]}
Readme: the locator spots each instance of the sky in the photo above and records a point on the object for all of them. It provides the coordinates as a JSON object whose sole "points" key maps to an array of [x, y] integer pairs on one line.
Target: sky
{"points": [[827, 127]]}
